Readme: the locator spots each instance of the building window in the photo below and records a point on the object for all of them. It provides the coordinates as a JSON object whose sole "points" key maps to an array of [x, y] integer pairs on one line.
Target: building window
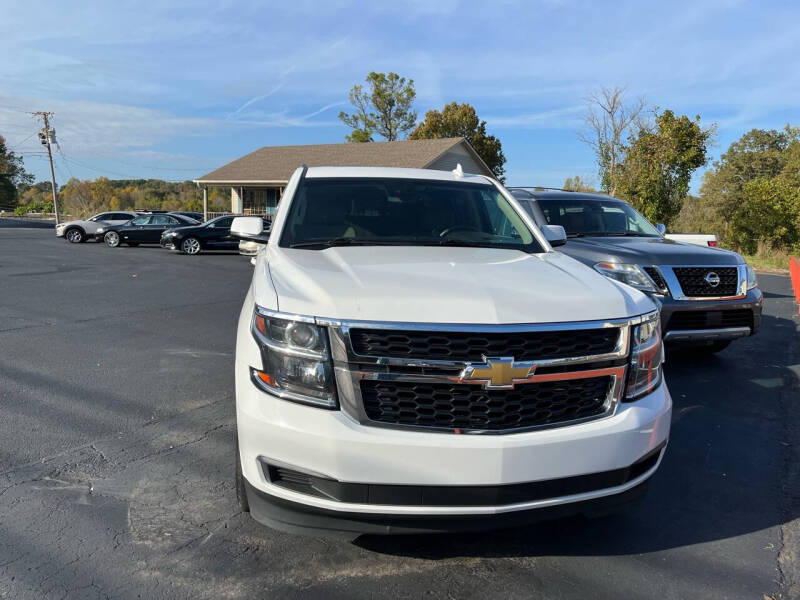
{"points": [[260, 201]]}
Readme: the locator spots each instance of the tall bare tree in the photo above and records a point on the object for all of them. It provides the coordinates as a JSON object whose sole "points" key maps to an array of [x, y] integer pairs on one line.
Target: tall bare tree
{"points": [[607, 126]]}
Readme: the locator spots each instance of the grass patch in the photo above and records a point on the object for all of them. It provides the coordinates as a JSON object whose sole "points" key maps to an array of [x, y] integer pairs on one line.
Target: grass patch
{"points": [[770, 263]]}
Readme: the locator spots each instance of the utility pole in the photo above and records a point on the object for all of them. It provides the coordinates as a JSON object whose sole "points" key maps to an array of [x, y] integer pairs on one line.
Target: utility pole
{"points": [[48, 136]]}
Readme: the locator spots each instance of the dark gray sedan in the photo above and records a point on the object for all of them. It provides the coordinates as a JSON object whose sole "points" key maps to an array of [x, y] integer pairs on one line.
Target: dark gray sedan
{"points": [[708, 296]]}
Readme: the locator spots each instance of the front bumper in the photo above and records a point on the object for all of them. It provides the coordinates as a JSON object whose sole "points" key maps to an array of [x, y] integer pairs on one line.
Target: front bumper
{"points": [[555, 467], [168, 243], [703, 321]]}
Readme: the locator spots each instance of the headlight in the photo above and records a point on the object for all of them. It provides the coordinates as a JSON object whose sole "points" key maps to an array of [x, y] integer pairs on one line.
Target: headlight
{"points": [[646, 358], [296, 360], [100, 230], [751, 278], [630, 274]]}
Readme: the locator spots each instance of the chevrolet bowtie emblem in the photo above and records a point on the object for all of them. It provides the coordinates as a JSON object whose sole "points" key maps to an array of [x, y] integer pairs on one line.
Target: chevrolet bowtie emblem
{"points": [[498, 373]]}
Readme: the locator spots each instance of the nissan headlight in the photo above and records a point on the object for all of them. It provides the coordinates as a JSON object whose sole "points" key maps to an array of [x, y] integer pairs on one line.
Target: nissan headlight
{"points": [[296, 360], [101, 230], [633, 275], [647, 357], [751, 278]]}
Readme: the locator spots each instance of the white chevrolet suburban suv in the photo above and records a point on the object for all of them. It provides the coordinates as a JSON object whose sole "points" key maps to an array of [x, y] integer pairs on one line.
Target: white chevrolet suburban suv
{"points": [[412, 355]]}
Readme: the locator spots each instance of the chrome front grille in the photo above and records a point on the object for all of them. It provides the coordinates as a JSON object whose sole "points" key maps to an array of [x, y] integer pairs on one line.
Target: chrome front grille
{"points": [[405, 375], [700, 282]]}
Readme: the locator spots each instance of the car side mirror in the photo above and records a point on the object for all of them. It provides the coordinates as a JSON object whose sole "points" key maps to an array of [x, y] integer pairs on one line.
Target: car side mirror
{"points": [[250, 228], [662, 229], [555, 234]]}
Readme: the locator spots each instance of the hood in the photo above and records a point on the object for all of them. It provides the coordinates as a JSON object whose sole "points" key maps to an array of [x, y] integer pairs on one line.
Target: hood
{"points": [[440, 285], [646, 251]]}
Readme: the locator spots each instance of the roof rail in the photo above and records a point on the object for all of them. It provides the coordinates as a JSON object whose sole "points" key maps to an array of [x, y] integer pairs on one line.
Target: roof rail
{"points": [[537, 187]]}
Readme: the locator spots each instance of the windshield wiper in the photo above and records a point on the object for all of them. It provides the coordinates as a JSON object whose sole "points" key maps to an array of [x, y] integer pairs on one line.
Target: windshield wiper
{"points": [[337, 242], [462, 243]]}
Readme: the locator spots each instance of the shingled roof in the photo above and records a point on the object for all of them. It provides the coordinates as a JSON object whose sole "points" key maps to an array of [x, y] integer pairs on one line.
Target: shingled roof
{"points": [[275, 164]]}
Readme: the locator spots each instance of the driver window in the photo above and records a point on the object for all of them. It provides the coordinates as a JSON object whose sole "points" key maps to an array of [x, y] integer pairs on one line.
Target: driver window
{"points": [[141, 220]]}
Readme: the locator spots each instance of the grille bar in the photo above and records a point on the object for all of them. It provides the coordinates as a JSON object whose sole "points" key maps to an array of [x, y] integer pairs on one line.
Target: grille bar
{"points": [[473, 346]]}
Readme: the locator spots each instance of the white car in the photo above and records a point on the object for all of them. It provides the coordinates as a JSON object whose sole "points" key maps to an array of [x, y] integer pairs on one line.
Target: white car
{"points": [[412, 355], [79, 231], [697, 239]]}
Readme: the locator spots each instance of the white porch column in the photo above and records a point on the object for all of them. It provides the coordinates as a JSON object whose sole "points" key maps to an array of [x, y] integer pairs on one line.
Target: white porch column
{"points": [[237, 202], [205, 204]]}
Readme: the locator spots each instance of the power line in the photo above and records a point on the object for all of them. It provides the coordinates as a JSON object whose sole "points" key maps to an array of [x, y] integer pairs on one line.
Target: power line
{"points": [[23, 141], [104, 171]]}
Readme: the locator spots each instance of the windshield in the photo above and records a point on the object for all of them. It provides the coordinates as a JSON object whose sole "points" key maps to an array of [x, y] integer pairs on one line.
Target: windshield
{"points": [[403, 212], [592, 217]]}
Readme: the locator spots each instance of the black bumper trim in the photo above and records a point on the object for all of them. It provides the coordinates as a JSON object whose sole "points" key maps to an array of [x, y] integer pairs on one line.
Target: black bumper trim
{"points": [[454, 495], [293, 517]]}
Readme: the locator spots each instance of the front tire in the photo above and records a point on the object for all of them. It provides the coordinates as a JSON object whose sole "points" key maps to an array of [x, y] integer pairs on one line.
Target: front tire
{"points": [[74, 235], [190, 246], [111, 239]]}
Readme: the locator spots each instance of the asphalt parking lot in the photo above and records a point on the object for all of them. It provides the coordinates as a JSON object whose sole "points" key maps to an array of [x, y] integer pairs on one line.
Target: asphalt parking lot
{"points": [[117, 458]]}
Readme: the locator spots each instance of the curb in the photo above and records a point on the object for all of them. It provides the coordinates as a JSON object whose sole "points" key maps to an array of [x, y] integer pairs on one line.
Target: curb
{"points": [[794, 273]]}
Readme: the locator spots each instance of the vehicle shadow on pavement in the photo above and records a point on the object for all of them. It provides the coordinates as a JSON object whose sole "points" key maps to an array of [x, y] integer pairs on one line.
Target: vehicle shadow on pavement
{"points": [[722, 475]]}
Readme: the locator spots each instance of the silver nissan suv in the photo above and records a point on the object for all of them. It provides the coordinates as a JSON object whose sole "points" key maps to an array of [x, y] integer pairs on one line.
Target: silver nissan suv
{"points": [[708, 296]]}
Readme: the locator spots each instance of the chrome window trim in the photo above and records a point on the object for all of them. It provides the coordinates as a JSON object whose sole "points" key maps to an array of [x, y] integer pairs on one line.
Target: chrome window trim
{"points": [[676, 291]]}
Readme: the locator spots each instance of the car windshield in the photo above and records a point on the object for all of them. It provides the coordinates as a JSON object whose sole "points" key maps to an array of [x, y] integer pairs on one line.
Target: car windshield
{"points": [[592, 217], [403, 212]]}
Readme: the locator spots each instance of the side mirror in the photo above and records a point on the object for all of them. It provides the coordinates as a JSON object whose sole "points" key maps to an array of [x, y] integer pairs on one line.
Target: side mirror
{"points": [[662, 229], [555, 234], [250, 228]]}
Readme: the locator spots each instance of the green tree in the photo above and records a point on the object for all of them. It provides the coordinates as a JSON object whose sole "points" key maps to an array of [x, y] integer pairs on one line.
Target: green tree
{"points": [[12, 176], [750, 182], [385, 108], [753, 191], [461, 120], [576, 184], [658, 164]]}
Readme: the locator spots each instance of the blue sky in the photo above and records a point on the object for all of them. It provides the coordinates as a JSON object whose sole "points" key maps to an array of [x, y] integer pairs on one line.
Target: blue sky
{"points": [[175, 89]]}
